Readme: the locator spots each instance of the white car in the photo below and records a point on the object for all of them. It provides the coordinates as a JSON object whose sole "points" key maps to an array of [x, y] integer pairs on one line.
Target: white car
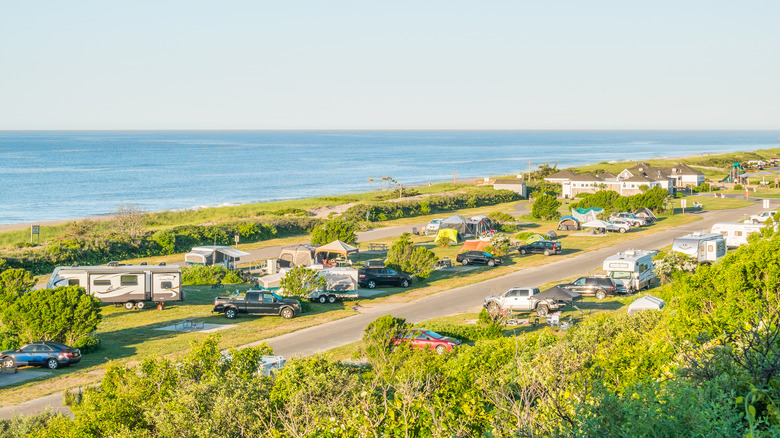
{"points": [[619, 225], [631, 218], [760, 218], [433, 226]]}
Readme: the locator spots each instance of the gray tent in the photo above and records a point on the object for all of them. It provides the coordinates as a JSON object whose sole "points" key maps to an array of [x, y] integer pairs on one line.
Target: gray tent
{"points": [[645, 213], [457, 223], [557, 293], [298, 255], [648, 302]]}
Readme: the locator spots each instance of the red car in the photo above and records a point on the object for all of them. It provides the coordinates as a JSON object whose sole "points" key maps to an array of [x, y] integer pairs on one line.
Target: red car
{"points": [[423, 338]]}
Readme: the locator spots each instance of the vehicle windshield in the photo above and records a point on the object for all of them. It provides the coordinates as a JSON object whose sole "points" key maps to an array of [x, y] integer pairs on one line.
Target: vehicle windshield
{"points": [[434, 335], [620, 275]]}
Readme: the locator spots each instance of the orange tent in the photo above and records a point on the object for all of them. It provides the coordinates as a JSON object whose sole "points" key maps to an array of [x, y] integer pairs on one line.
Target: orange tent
{"points": [[474, 245]]}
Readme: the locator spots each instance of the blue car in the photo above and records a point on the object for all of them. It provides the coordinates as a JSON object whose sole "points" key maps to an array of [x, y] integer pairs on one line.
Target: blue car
{"points": [[45, 353]]}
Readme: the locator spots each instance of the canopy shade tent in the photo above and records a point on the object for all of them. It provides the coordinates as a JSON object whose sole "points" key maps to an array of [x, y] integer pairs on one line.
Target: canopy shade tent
{"points": [[597, 224], [648, 302], [336, 247], [569, 223], [214, 255], [447, 234], [586, 214], [298, 255], [474, 245], [557, 293]]}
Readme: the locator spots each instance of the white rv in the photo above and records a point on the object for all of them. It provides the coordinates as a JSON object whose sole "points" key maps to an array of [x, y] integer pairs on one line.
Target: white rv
{"points": [[632, 269], [129, 285], [736, 233], [704, 247]]}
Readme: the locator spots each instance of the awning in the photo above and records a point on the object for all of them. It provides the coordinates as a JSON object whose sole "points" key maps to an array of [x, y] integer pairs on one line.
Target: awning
{"points": [[337, 247]]}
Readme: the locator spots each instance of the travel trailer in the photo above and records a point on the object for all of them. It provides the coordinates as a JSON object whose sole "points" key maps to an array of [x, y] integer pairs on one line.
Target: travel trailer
{"points": [[736, 233], [631, 270], [704, 247], [129, 285]]}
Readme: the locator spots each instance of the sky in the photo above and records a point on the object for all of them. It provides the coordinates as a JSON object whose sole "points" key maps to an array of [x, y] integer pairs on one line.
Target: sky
{"points": [[401, 64]]}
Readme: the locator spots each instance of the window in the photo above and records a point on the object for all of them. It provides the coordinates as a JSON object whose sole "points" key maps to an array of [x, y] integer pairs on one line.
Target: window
{"points": [[129, 280], [523, 293], [511, 294], [166, 284], [391, 272], [73, 282], [580, 281], [738, 233], [268, 298], [101, 282]]}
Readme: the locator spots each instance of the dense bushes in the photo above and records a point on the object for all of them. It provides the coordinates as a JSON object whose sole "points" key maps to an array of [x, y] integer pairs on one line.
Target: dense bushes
{"points": [[382, 211], [609, 200], [209, 275], [546, 207], [332, 230]]}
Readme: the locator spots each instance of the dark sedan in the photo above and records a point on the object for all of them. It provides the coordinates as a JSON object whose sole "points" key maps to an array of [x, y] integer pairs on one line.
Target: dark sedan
{"points": [[46, 353], [422, 338], [478, 258]]}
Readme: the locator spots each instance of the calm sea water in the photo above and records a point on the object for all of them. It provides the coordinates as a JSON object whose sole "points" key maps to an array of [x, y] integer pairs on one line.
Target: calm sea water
{"points": [[63, 175]]}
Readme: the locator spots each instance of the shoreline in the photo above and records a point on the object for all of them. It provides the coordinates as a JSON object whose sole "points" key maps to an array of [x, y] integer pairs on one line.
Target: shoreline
{"points": [[467, 180]]}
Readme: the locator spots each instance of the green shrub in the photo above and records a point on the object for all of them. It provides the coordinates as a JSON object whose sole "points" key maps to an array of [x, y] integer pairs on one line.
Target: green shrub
{"points": [[209, 275], [334, 229], [738, 187], [87, 344], [23, 426], [546, 207], [465, 332]]}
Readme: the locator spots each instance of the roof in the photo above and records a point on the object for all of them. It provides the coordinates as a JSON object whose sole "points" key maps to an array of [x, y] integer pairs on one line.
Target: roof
{"points": [[586, 177], [639, 178], [228, 251], [337, 246], [562, 174], [130, 269], [666, 172], [606, 175], [511, 181]]}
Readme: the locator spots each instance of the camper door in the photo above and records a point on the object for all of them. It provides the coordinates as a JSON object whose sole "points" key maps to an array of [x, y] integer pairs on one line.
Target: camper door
{"points": [[165, 286]]}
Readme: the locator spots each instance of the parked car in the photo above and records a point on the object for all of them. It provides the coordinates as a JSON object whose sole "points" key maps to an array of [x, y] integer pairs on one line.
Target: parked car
{"points": [[546, 247], [597, 286], [433, 226], [373, 277], [45, 353], [257, 302], [478, 258], [422, 338], [761, 218], [520, 299], [631, 218]]}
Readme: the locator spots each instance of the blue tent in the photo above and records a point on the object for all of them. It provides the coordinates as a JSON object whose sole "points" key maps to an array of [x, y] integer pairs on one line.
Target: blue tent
{"points": [[569, 223]]}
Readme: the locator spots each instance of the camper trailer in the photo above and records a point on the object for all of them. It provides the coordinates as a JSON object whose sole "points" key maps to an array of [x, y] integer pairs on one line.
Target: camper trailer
{"points": [[736, 233], [704, 247], [631, 270], [131, 286], [212, 255]]}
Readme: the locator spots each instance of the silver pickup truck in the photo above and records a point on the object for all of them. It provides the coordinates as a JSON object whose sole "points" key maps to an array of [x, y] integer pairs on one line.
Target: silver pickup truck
{"points": [[520, 299]]}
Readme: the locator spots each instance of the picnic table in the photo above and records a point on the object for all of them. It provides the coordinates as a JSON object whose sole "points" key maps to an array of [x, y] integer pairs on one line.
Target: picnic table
{"points": [[377, 247]]}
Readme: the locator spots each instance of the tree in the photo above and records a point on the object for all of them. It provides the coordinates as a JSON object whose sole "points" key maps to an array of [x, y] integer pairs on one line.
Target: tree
{"points": [[13, 283], [500, 244], [64, 314], [377, 336], [130, 220], [334, 229], [546, 207], [300, 281], [418, 261], [667, 264]]}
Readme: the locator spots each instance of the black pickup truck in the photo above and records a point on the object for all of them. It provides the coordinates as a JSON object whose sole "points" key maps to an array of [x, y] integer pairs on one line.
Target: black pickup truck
{"points": [[259, 303]]}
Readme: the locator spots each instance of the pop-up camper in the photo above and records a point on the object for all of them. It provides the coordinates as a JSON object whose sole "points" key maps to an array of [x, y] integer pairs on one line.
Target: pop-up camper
{"points": [[212, 255]]}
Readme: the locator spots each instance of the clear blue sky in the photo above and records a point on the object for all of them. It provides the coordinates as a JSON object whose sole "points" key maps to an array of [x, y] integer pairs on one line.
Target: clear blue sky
{"points": [[420, 64]]}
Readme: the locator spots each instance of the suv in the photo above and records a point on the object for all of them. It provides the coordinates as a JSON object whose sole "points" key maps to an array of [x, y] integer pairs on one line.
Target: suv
{"points": [[478, 258], [545, 247], [45, 353], [599, 287], [373, 277], [631, 218]]}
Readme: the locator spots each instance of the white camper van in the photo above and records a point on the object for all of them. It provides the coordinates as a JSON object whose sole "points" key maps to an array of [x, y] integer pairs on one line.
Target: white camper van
{"points": [[704, 247], [736, 233], [130, 286], [632, 269]]}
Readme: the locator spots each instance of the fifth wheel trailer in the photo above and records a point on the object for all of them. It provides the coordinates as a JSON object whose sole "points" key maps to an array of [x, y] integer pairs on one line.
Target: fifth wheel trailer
{"points": [[127, 285]]}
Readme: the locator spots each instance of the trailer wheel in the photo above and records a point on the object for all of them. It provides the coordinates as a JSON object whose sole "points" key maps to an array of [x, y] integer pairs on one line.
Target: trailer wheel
{"points": [[140, 305], [332, 299], [322, 299], [129, 305], [231, 313]]}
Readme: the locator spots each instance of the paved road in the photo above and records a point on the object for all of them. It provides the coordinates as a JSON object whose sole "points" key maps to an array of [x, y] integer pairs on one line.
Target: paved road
{"points": [[468, 298]]}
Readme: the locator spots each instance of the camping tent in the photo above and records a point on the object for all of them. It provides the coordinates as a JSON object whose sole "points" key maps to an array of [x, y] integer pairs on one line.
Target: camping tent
{"points": [[534, 237], [645, 213], [298, 255], [557, 293], [457, 223], [568, 223], [597, 224], [336, 247], [586, 214], [478, 225], [212, 255], [474, 245], [645, 303], [447, 234]]}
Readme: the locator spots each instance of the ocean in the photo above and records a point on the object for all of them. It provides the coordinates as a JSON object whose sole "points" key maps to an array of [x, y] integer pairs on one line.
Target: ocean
{"points": [[48, 176]]}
